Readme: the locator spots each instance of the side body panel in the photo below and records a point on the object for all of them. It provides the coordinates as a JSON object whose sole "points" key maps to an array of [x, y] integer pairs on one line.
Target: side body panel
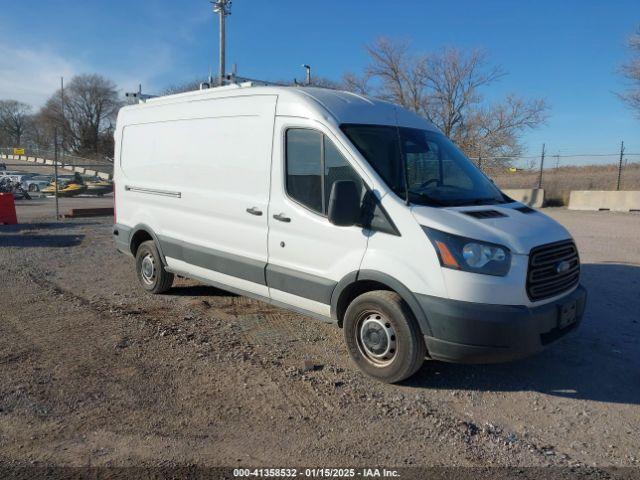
{"points": [[190, 171]]}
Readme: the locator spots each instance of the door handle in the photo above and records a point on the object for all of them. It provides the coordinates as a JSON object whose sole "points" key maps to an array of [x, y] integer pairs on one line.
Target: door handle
{"points": [[254, 211], [282, 217]]}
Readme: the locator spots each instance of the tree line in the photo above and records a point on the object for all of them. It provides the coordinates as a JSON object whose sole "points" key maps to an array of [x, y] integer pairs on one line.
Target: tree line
{"points": [[82, 115], [447, 87]]}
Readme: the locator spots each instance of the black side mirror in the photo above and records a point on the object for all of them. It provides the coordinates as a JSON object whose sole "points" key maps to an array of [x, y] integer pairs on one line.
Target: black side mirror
{"points": [[344, 203]]}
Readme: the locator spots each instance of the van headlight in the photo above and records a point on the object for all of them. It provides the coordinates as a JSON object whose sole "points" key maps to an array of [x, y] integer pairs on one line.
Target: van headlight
{"points": [[461, 253]]}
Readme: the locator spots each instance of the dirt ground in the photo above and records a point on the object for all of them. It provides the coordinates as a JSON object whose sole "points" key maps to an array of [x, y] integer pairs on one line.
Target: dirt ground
{"points": [[95, 372]]}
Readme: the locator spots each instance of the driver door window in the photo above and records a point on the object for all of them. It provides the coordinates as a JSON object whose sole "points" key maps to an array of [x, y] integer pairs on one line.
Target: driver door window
{"points": [[313, 164]]}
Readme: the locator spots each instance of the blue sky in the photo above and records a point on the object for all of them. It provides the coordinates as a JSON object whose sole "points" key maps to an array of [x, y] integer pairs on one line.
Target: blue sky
{"points": [[564, 51]]}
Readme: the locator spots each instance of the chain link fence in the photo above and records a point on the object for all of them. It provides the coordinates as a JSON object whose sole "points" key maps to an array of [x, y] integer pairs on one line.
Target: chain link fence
{"points": [[559, 174]]}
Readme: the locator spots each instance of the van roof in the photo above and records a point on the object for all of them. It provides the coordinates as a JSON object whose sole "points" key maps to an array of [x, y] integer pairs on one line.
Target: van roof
{"points": [[334, 106]]}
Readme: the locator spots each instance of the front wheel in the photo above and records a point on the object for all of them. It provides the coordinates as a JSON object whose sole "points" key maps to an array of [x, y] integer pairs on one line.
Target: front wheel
{"points": [[151, 272], [383, 337]]}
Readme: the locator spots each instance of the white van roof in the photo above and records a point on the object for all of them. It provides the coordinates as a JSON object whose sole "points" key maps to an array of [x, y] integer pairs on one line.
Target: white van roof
{"points": [[334, 106]]}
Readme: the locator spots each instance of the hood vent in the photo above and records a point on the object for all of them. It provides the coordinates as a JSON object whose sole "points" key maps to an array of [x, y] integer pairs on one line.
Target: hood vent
{"points": [[525, 209], [484, 213]]}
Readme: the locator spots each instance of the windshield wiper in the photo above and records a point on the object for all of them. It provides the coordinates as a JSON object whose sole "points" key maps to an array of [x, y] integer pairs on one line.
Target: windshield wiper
{"points": [[429, 199]]}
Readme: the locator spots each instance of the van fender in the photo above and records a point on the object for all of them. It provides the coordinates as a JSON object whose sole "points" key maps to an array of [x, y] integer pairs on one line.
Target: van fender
{"points": [[144, 227], [390, 282]]}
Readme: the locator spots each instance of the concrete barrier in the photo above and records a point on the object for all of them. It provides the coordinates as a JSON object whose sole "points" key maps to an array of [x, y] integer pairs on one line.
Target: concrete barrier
{"points": [[79, 169], [31, 159], [533, 197], [604, 200], [39, 160], [105, 176]]}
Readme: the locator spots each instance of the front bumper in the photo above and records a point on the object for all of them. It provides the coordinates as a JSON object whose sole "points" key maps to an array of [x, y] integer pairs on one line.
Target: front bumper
{"points": [[465, 332]]}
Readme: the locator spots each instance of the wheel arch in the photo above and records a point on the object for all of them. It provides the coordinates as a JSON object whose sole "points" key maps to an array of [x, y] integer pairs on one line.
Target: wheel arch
{"points": [[356, 283], [141, 233]]}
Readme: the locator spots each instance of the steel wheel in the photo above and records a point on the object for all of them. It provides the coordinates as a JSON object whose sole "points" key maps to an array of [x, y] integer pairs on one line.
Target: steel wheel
{"points": [[148, 269], [383, 337], [376, 338]]}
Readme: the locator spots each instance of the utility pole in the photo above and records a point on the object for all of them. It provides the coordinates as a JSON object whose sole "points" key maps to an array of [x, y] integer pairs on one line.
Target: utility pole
{"points": [[55, 169], [62, 111], [620, 165], [541, 166], [222, 8]]}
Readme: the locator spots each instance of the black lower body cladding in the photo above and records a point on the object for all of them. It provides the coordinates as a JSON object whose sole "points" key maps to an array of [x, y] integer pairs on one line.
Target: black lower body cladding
{"points": [[285, 279], [465, 332]]}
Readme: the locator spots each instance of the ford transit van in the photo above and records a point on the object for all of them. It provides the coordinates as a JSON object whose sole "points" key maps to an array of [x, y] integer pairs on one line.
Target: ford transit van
{"points": [[344, 208]]}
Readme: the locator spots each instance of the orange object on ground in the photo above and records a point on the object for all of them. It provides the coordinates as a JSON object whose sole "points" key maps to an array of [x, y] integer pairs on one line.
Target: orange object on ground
{"points": [[7, 209]]}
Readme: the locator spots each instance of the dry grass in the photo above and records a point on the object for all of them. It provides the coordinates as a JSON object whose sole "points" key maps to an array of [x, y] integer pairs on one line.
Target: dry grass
{"points": [[559, 182]]}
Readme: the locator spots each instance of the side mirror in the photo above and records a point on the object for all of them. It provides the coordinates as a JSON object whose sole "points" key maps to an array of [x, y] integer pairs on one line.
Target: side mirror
{"points": [[344, 203]]}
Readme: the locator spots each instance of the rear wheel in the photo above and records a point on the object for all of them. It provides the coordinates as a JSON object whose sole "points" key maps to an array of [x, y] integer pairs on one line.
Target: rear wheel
{"points": [[150, 270], [383, 337]]}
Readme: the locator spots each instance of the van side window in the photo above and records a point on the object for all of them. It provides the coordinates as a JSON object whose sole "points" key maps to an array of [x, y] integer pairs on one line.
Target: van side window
{"points": [[313, 165], [304, 168]]}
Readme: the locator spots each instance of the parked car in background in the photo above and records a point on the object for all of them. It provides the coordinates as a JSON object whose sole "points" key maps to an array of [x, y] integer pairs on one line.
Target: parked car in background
{"points": [[6, 173], [21, 177], [37, 182], [16, 176]]}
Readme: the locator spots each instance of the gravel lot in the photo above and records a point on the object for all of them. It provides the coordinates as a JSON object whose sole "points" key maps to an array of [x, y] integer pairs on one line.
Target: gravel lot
{"points": [[95, 372]]}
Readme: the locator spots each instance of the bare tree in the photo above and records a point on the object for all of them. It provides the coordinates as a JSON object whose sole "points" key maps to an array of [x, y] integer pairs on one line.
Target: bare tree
{"points": [[446, 88], [15, 119], [356, 83], [91, 103], [631, 71]]}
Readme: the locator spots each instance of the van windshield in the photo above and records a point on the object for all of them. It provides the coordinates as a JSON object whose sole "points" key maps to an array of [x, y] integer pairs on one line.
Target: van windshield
{"points": [[435, 171]]}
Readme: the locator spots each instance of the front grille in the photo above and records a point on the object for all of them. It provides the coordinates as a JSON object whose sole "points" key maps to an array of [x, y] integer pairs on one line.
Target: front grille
{"points": [[543, 279]]}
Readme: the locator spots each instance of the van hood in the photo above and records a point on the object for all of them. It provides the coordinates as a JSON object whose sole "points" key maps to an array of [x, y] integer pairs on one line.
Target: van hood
{"points": [[518, 230]]}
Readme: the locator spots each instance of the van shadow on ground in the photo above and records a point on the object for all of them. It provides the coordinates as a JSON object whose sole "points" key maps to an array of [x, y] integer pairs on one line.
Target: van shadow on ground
{"points": [[599, 361]]}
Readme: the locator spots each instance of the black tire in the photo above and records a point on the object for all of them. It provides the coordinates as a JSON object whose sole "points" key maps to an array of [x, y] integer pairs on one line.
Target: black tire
{"points": [[387, 318], [157, 280]]}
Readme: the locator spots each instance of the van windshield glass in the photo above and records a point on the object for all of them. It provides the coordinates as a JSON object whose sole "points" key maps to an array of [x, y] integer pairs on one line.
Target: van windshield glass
{"points": [[435, 171]]}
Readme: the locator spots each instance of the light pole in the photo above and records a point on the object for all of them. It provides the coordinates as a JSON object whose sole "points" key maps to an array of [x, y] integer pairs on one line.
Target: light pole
{"points": [[222, 8], [307, 79]]}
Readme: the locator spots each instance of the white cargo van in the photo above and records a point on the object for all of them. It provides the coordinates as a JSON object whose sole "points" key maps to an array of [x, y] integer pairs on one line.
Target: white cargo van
{"points": [[344, 208]]}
